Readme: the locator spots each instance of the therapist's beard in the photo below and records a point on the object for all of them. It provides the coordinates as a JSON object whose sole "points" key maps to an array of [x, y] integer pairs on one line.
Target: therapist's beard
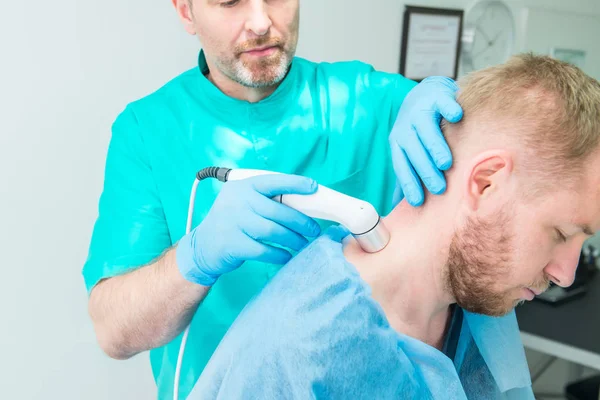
{"points": [[480, 257], [260, 72]]}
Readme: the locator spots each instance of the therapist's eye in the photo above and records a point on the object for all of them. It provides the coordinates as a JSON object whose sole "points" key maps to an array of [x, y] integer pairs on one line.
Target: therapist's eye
{"points": [[230, 3]]}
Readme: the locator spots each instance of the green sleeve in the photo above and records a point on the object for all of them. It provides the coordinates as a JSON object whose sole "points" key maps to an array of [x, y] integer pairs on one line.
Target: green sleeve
{"points": [[131, 229]]}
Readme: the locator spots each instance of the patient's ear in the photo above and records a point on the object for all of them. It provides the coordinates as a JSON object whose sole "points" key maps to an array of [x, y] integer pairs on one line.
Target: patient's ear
{"points": [[488, 177]]}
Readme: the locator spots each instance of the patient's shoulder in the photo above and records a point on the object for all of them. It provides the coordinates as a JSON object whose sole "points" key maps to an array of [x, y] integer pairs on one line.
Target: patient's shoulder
{"points": [[320, 263], [315, 296], [317, 276], [310, 291], [314, 322]]}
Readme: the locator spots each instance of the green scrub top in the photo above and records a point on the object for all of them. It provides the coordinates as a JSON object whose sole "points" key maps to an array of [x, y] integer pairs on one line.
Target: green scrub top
{"points": [[327, 121]]}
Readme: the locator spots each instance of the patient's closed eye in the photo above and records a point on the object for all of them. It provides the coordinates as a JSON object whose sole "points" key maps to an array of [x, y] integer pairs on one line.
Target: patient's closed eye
{"points": [[561, 236]]}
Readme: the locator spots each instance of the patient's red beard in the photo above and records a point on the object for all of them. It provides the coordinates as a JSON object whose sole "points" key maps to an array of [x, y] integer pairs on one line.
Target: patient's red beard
{"points": [[479, 257]]}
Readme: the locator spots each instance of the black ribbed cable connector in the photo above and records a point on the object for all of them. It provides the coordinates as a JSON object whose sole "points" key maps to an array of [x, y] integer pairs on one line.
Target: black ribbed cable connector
{"points": [[213, 172]]}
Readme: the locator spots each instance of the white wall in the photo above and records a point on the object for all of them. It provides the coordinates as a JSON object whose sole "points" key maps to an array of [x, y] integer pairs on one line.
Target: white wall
{"points": [[370, 31], [66, 69]]}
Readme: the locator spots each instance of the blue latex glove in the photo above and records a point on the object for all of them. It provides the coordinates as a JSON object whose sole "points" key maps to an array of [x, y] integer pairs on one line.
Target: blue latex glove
{"points": [[419, 149], [242, 217]]}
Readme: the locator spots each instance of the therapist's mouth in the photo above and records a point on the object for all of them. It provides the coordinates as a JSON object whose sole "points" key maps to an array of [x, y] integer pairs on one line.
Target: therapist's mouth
{"points": [[261, 51]]}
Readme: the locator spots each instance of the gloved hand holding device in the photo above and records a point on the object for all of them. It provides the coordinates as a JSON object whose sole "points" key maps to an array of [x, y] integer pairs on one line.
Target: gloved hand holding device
{"points": [[241, 219]]}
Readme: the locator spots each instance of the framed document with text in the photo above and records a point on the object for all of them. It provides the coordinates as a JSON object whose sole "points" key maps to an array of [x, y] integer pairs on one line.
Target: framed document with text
{"points": [[431, 40]]}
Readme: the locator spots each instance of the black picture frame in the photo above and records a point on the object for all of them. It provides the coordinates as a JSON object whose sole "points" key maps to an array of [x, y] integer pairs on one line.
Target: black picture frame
{"points": [[410, 10]]}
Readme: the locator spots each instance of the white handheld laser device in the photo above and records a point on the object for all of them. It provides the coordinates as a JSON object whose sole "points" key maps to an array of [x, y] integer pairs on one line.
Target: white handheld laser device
{"points": [[358, 216]]}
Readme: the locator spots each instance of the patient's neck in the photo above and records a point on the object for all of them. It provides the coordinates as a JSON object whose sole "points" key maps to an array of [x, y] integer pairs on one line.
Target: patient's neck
{"points": [[406, 277]]}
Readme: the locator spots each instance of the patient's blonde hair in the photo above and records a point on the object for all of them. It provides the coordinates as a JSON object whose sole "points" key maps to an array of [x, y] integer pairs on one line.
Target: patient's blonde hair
{"points": [[551, 109]]}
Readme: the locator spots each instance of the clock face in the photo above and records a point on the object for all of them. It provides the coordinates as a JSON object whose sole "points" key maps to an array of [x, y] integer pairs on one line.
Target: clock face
{"points": [[488, 35]]}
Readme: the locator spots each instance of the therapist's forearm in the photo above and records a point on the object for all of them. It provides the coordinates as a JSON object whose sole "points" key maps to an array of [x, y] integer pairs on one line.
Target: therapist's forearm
{"points": [[143, 309]]}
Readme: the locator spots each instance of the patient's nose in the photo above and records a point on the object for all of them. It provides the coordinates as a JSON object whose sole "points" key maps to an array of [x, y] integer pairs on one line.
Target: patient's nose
{"points": [[562, 269]]}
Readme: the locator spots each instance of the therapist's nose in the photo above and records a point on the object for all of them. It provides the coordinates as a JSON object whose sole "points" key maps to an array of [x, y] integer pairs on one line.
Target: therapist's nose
{"points": [[561, 270], [258, 22]]}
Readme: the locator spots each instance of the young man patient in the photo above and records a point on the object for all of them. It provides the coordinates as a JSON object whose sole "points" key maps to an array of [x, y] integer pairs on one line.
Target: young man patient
{"points": [[431, 316]]}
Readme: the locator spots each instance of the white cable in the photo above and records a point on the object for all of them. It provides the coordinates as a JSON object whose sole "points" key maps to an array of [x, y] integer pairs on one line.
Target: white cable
{"points": [[188, 229], [188, 225]]}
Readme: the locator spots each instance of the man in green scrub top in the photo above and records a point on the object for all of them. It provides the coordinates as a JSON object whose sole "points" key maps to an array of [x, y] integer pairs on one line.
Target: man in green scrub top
{"points": [[250, 103]]}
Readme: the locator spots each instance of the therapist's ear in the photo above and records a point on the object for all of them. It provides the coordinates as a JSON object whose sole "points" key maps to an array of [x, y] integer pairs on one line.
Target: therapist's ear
{"points": [[184, 11], [488, 178]]}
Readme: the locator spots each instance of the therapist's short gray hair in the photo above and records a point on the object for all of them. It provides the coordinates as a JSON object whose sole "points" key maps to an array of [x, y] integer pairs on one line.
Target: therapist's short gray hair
{"points": [[551, 109]]}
